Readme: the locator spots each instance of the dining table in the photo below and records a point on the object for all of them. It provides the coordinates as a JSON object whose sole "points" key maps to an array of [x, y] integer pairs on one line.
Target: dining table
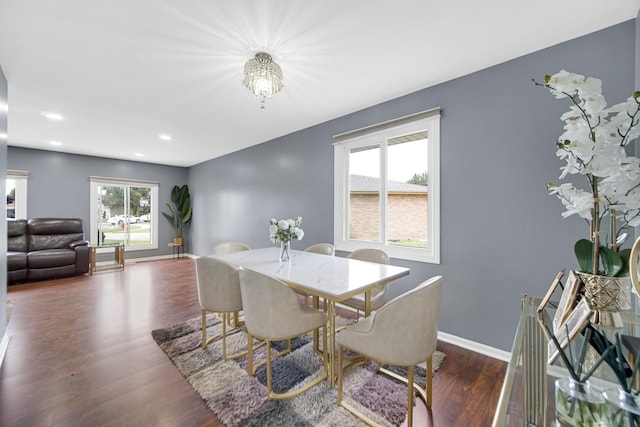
{"points": [[332, 278]]}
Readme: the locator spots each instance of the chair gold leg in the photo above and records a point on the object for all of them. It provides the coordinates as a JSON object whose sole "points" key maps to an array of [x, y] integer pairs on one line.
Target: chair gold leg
{"points": [[204, 329], [429, 379], [269, 391], [224, 337], [410, 398], [249, 353], [340, 374]]}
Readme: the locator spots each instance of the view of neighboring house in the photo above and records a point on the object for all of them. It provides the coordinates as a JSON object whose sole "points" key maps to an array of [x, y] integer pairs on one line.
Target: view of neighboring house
{"points": [[407, 214]]}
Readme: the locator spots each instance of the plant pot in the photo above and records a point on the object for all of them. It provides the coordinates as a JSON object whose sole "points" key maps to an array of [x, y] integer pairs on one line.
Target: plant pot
{"points": [[578, 404], [177, 241], [607, 296], [623, 408]]}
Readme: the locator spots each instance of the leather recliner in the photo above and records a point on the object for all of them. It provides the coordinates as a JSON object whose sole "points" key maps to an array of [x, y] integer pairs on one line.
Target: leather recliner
{"points": [[46, 248]]}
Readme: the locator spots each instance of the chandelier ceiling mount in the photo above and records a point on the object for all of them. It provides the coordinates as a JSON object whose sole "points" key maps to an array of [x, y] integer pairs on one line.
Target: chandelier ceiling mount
{"points": [[263, 77]]}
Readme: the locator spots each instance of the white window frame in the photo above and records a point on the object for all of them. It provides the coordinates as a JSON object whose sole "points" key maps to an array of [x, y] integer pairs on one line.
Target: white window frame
{"points": [[428, 121], [20, 204], [97, 181]]}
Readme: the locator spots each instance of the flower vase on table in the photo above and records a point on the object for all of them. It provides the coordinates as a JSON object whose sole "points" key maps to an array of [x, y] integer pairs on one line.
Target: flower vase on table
{"points": [[596, 144], [284, 231], [578, 404], [624, 408], [285, 251]]}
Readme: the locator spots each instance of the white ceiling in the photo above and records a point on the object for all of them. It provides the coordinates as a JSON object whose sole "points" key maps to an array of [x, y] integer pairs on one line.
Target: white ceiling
{"points": [[123, 71]]}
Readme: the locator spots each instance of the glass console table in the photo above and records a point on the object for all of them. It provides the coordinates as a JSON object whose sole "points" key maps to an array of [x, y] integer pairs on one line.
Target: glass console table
{"points": [[528, 392], [118, 263]]}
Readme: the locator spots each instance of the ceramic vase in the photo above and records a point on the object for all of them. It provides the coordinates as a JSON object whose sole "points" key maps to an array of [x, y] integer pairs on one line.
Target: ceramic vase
{"points": [[578, 404], [607, 296], [285, 251]]}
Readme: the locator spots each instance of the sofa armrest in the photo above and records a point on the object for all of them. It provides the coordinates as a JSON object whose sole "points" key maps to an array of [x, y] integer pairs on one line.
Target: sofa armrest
{"points": [[77, 243], [81, 248]]}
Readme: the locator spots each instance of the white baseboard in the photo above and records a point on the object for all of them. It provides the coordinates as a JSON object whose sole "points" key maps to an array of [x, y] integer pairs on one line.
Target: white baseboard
{"points": [[4, 344], [489, 351]]}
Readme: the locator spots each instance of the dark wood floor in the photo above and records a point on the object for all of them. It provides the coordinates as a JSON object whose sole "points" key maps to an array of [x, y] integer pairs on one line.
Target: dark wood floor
{"points": [[81, 354]]}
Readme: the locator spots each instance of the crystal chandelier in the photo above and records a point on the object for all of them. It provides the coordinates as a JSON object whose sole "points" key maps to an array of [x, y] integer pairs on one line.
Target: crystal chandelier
{"points": [[263, 77]]}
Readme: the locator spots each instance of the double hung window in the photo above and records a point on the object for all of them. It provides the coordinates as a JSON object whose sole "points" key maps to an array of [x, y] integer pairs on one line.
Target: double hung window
{"points": [[387, 189]]}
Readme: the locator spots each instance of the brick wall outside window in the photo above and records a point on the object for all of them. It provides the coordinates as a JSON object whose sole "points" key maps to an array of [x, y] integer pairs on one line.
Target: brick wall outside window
{"points": [[407, 216]]}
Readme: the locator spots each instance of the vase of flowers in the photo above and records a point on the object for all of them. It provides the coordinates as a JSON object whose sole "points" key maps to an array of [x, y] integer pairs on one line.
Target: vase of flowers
{"points": [[577, 402], [284, 231], [594, 145]]}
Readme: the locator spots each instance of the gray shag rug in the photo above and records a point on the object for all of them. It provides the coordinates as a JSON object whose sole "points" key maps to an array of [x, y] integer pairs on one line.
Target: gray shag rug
{"points": [[238, 399]]}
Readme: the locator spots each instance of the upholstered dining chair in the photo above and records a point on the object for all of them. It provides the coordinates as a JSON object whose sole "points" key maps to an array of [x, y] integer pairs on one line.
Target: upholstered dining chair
{"points": [[404, 332], [322, 248], [218, 292], [225, 248], [272, 312], [379, 293]]}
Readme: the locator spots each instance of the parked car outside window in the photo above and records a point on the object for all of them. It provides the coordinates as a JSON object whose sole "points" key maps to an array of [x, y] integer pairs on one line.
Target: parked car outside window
{"points": [[120, 219]]}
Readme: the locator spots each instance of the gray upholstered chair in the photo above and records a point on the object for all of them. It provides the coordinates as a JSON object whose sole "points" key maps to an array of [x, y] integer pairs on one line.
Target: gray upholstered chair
{"points": [[322, 248], [272, 312], [218, 292], [379, 293], [404, 332], [225, 248], [230, 247]]}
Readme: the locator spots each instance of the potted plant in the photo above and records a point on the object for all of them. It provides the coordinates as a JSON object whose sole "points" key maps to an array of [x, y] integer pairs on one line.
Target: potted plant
{"points": [[179, 211], [594, 145]]}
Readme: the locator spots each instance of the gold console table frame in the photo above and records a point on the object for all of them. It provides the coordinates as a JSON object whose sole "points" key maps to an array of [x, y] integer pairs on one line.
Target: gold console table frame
{"points": [[118, 263]]}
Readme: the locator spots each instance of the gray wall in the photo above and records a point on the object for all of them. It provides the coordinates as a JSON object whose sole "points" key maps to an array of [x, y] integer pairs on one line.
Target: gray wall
{"points": [[59, 186], [502, 234], [3, 205]]}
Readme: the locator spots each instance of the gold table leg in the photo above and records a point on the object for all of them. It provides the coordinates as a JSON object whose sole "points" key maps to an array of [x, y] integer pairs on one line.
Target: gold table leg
{"points": [[332, 342]]}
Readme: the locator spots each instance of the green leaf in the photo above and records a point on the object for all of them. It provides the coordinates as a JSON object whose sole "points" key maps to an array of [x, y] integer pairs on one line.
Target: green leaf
{"points": [[584, 255], [611, 262], [624, 255]]}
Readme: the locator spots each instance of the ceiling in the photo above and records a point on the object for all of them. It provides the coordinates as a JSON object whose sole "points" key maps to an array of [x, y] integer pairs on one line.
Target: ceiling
{"points": [[121, 72]]}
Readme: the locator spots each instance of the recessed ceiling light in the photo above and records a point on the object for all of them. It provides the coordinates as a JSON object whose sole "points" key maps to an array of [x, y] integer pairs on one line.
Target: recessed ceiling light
{"points": [[139, 155], [164, 137], [55, 142], [52, 116]]}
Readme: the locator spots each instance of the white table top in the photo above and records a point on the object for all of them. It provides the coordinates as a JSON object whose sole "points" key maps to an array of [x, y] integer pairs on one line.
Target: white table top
{"points": [[330, 277]]}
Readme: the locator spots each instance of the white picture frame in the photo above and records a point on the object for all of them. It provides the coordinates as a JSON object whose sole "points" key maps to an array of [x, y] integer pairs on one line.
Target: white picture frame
{"points": [[567, 300]]}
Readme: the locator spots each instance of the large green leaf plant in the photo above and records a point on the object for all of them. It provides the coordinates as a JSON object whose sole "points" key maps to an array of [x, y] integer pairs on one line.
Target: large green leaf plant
{"points": [[179, 209]]}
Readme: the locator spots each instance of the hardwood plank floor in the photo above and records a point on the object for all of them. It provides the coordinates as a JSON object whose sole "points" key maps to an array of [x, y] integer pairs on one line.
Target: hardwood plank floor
{"points": [[81, 353]]}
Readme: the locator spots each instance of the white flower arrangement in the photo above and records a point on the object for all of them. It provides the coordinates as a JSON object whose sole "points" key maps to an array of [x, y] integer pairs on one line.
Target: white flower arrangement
{"points": [[285, 230], [593, 145]]}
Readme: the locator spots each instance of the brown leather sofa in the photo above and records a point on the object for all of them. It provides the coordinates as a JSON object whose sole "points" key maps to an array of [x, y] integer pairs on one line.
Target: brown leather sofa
{"points": [[46, 248]]}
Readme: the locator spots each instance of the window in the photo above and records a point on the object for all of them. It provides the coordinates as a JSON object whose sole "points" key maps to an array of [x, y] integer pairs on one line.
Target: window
{"points": [[16, 186], [387, 188], [124, 211]]}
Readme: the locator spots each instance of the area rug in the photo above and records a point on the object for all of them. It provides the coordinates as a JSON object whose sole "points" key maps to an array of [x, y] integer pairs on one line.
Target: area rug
{"points": [[238, 399]]}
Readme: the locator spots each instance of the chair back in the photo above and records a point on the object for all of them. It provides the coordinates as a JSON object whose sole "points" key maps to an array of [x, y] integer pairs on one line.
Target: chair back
{"points": [[406, 328], [218, 285], [271, 308], [370, 255], [225, 248], [322, 248]]}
